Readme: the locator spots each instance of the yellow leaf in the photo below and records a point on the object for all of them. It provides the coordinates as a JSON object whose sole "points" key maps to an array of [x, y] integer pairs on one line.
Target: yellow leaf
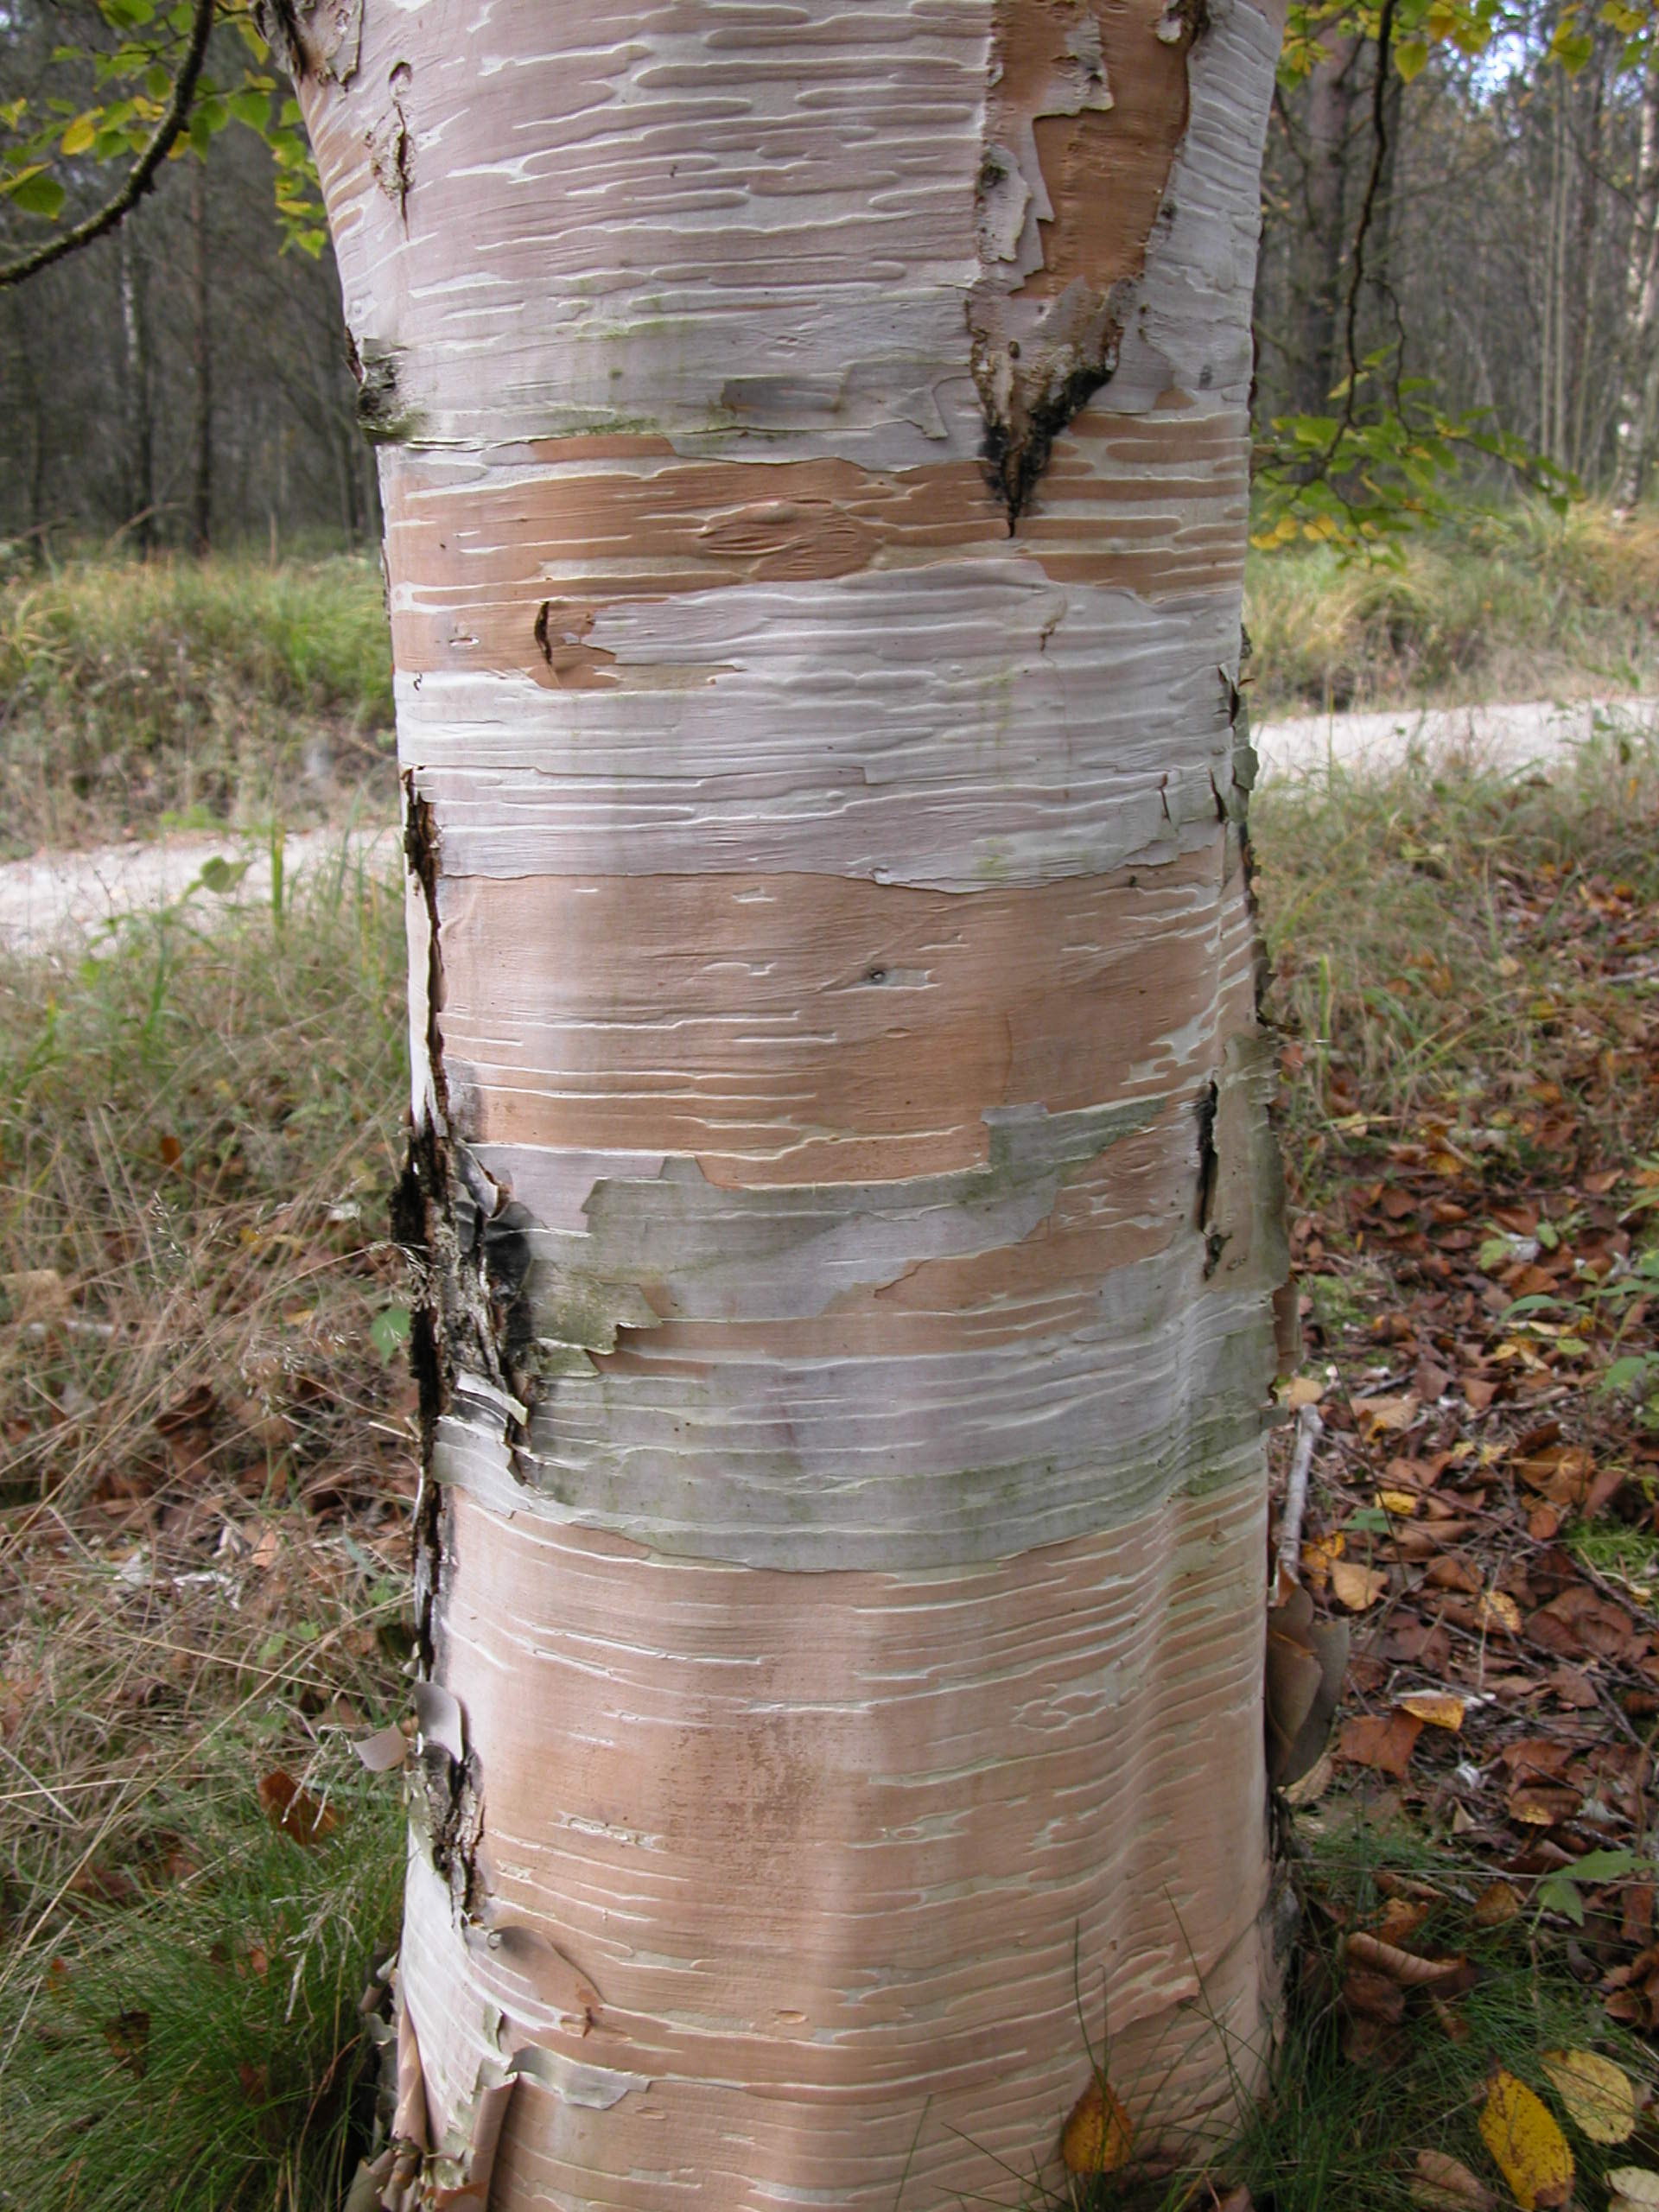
{"points": [[1402, 1503], [1355, 1586], [1439, 1708], [1409, 56], [1600, 2098], [1527, 2148], [81, 132], [1317, 1556], [1498, 1904], [1098, 2137], [1498, 1610]]}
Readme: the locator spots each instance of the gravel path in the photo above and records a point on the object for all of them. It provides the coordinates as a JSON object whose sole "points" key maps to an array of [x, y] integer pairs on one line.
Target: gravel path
{"points": [[1538, 731], [58, 898]]}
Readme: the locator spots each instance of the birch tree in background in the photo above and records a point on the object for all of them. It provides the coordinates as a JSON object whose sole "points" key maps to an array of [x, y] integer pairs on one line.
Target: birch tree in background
{"points": [[1638, 411], [814, 450]]}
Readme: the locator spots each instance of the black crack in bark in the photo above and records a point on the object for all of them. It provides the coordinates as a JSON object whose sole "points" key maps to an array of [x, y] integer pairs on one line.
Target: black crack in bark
{"points": [[1209, 1175], [446, 1796], [452, 1803], [389, 145], [1017, 446], [1185, 22], [421, 858], [468, 1245], [1245, 768]]}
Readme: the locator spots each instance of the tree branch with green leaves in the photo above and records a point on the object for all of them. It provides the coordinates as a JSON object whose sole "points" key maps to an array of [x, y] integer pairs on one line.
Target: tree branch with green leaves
{"points": [[156, 99]]}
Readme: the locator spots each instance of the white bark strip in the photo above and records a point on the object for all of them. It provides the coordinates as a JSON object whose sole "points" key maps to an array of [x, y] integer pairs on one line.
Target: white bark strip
{"points": [[816, 480]]}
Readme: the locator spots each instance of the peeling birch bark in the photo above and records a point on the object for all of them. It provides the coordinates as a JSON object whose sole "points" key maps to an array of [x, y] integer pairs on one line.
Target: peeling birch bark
{"points": [[814, 446]]}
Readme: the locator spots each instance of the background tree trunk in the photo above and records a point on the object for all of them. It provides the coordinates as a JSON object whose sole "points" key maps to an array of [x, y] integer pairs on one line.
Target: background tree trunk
{"points": [[201, 506], [1638, 415], [1327, 108], [815, 465], [141, 443]]}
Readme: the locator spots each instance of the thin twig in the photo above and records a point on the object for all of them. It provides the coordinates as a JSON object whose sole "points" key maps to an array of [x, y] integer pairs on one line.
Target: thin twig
{"points": [[142, 175], [1368, 208]]}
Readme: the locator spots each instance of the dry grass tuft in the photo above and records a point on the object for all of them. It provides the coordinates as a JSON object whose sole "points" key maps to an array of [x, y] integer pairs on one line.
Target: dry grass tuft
{"points": [[1525, 604], [1475, 945], [138, 695], [204, 1490]]}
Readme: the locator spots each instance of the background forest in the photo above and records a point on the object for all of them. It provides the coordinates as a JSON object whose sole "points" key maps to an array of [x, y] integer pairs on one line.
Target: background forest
{"points": [[1476, 228]]}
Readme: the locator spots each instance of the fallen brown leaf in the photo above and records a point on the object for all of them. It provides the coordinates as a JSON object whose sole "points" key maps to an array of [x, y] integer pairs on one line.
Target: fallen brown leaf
{"points": [[1382, 1740], [1357, 1587], [1498, 1904], [294, 1810], [1374, 1996], [1445, 2184], [1403, 1966], [128, 2036]]}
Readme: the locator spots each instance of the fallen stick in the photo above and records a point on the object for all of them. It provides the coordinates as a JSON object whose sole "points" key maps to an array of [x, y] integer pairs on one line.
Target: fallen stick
{"points": [[1309, 1429]]}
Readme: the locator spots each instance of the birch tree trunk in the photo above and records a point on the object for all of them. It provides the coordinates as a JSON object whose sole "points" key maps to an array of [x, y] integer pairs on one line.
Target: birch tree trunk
{"points": [[814, 453], [1638, 412]]}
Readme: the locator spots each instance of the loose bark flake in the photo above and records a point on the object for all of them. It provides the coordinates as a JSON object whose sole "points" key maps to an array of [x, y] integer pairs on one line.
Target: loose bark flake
{"points": [[1088, 111]]}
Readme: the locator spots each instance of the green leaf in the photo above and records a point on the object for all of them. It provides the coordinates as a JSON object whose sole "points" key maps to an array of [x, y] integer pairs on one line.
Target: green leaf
{"points": [[1409, 57], [389, 1330], [252, 108], [36, 192], [1560, 1893], [220, 875], [1603, 1866]]}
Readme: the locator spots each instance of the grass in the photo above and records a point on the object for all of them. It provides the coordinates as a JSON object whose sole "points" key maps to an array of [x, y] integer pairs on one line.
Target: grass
{"points": [[204, 1496], [1523, 604], [140, 695], [1436, 942]]}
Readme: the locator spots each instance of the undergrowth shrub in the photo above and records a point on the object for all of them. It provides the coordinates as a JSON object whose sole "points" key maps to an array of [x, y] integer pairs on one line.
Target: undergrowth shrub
{"points": [[221, 689]]}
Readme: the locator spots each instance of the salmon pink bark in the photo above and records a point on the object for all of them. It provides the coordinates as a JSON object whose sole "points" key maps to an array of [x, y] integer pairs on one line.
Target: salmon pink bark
{"points": [[814, 448]]}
